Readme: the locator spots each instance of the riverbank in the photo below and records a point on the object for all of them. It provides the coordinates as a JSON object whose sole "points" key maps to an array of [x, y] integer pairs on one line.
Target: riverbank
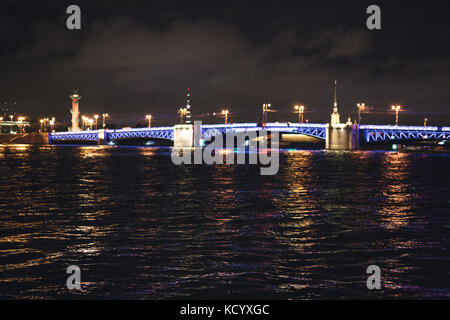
{"points": [[24, 138]]}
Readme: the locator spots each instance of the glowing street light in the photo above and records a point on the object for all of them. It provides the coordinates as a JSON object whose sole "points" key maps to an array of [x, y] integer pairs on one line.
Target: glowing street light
{"points": [[96, 121], [300, 110], [266, 107], [225, 113], [52, 123], [149, 118], [104, 116], [425, 122], [396, 109], [20, 123], [11, 117], [361, 108], [90, 123], [42, 125], [84, 119], [1, 119]]}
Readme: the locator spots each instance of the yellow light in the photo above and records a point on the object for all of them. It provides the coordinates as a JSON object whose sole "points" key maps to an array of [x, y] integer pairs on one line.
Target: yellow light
{"points": [[96, 116]]}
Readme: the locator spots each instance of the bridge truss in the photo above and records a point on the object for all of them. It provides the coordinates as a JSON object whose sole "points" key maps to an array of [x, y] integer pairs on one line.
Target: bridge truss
{"points": [[393, 133]]}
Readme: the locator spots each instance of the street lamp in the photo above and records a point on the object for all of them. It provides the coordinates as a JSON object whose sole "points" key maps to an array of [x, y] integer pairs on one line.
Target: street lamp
{"points": [[90, 122], [52, 122], [11, 117], [149, 118], [104, 116], [361, 108], [396, 109], [266, 107], [1, 119], [96, 121], [425, 122], [225, 113], [20, 123], [300, 110], [84, 119], [42, 125]]}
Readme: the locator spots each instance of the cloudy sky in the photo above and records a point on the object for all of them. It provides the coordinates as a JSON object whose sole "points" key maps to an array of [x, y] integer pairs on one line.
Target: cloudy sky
{"points": [[136, 57]]}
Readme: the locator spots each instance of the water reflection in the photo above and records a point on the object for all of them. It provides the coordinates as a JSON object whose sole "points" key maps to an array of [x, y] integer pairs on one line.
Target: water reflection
{"points": [[396, 209], [141, 227]]}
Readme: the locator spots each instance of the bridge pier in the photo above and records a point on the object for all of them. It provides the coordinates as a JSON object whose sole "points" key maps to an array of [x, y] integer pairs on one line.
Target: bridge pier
{"points": [[102, 137], [187, 135], [341, 137]]}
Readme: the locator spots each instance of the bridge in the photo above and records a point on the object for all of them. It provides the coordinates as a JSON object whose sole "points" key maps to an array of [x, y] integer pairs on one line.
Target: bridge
{"points": [[337, 136]]}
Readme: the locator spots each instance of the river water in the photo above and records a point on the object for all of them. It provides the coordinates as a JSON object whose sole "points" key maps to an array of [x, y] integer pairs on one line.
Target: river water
{"points": [[140, 227]]}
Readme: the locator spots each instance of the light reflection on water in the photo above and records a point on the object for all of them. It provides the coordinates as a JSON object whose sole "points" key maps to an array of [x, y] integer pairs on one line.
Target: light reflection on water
{"points": [[140, 227]]}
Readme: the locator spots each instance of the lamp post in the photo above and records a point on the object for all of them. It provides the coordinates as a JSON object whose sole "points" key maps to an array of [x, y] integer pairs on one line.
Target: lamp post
{"points": [[266, 107], [225, 113], [149, 118], [361, 107], [104, 116], [425, 122], [42, 125], [84, 119], [1, 119], [300, 110], [11, 129], [90, 122], [20, 123], [396, 109], [96, 121], [52, 123]]}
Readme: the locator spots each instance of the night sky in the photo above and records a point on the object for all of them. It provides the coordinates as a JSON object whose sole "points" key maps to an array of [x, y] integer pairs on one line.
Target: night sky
{"points": [[136, 57]]}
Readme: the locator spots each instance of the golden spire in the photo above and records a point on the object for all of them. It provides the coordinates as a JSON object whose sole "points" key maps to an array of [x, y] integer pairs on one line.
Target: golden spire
{"points": [[335, 119], [335, 88]]}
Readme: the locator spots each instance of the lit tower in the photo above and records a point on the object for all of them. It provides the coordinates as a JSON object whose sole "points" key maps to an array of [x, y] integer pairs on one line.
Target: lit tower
{"points": [[75, 110], [188, 106], [335, 115]]}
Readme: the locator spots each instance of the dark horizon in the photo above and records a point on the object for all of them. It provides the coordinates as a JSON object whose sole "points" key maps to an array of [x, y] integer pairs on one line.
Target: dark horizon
{"points": [[135, 58]]}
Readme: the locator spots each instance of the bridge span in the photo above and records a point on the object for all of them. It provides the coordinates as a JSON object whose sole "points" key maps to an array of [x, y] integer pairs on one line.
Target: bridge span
{"points": [[336, 136]]}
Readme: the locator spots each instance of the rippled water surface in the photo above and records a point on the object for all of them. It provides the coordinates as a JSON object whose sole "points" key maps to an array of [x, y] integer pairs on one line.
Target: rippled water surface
{"points": [[140, 227]]}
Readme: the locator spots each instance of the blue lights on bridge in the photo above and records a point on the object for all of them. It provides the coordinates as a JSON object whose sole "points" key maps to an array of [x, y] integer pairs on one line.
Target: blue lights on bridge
{"points": [[394, 133], [371, 133]]}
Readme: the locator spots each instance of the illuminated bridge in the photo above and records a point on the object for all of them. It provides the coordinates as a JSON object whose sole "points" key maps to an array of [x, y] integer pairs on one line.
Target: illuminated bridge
{"points": [[368, 134], [167, 133]]}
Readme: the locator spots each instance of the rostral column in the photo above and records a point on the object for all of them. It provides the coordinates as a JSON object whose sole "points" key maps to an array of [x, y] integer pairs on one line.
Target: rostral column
{"points": [[75, 110]]}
